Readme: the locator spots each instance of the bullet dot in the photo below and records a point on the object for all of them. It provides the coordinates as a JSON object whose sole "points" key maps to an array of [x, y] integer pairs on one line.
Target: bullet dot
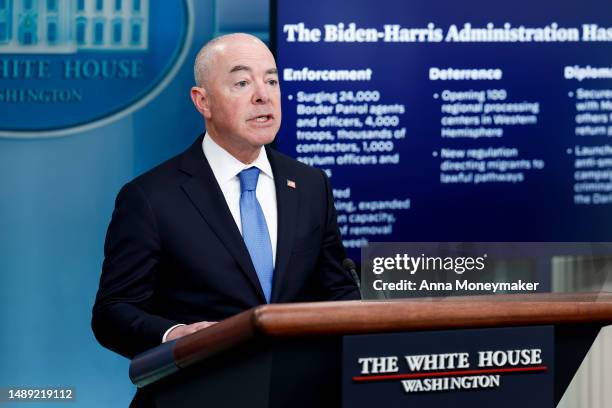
{"points": [[290, 97], [570, 94], [435, 154], [569, 151], [436, 96]]}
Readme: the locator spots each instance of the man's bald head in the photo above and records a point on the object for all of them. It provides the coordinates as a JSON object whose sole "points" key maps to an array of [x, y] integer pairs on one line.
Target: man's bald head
{"points": [[206, 56]]}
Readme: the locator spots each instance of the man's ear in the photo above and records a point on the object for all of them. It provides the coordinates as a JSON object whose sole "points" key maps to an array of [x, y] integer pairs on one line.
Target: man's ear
{"points": [[200, 100]]}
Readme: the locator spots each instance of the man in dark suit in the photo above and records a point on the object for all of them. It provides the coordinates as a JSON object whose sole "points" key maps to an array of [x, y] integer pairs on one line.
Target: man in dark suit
{"points": [[225, 226]]}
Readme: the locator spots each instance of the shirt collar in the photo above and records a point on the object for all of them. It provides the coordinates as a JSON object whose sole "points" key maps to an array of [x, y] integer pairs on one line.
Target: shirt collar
{"points": [[225, 166]]}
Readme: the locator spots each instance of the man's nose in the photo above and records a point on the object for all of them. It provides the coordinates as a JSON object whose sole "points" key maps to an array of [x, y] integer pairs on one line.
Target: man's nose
{"points": [[261, 95]]}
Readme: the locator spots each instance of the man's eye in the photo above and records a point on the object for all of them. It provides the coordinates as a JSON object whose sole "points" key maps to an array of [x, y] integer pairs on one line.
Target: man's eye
{"points": [[273, 82], [242, 84]]}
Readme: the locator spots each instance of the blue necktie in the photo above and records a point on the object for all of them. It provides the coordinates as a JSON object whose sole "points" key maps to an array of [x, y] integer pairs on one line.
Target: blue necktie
{"points": [[255, 230]]}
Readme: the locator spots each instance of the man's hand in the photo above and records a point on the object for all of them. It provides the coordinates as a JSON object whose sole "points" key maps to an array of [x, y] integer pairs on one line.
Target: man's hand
{"points": [[181, 331]]}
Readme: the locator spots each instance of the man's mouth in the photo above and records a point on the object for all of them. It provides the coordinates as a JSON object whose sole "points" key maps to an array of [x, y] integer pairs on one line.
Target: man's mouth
{"points": [[262, 118]]}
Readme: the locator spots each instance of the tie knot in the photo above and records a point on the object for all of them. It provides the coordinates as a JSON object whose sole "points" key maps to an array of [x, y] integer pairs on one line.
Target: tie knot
{"points": [[248, 179]]}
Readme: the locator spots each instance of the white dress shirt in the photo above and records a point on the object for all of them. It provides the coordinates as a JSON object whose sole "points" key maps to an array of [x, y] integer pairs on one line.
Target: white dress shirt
{"points": [[226, 167]]}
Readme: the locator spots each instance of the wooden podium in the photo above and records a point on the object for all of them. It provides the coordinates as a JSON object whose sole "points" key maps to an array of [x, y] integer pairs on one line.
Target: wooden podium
{"points": [[289, 355]]}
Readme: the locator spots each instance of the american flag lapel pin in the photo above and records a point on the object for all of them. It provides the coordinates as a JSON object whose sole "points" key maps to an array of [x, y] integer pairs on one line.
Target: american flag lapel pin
{"points": [[290, 183]]}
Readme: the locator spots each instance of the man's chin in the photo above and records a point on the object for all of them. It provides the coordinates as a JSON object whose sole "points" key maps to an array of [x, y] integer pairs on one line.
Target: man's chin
{"points": [[263, 138]]}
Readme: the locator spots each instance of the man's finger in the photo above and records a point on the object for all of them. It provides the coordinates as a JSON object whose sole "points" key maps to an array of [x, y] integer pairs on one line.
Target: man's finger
{"points": [[203, 325]]}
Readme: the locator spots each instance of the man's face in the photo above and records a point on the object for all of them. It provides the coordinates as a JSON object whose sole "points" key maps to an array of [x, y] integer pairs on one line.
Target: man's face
{"points": [[243, 94]]}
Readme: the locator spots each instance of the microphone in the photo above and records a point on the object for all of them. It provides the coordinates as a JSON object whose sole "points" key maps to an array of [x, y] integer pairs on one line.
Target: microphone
{"points": [[349, 265]]}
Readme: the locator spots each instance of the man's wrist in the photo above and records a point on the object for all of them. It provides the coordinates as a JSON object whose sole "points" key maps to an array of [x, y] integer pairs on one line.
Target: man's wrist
{"points": [[165, 336]]}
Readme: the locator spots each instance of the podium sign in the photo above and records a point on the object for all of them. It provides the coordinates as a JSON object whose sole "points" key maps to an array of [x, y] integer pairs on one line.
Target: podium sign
{"points": [[500, 367]]}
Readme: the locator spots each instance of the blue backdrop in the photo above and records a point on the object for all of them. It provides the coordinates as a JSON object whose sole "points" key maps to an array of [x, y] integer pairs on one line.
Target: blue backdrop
{"points": [[56, 199]]}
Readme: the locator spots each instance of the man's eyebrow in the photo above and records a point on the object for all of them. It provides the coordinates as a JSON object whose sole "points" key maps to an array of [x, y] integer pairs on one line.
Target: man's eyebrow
{"points": [[236, 68]]}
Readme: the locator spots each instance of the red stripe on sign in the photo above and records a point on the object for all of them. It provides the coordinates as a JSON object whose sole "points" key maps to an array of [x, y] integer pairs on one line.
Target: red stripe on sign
{"points": [[448, 373]]}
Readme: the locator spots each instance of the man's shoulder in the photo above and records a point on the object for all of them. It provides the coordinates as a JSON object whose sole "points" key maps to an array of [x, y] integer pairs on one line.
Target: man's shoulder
{"points": [[164, 173], [167, 175]]}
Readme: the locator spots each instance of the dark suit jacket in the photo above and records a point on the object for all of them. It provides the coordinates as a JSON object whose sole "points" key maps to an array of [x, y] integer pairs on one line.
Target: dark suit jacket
{"points": [[173, 252]]}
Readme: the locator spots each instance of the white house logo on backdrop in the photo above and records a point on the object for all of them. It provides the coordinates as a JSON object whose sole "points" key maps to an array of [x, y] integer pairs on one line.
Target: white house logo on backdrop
{"points": [[71, 65]]}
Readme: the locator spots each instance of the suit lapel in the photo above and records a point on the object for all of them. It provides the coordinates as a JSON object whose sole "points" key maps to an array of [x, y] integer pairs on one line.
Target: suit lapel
{"points": [[204, 192], [287, 212]]}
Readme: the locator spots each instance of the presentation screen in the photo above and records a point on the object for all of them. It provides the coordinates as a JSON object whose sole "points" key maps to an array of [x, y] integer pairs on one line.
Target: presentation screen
{"points": [[446, 121]]}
